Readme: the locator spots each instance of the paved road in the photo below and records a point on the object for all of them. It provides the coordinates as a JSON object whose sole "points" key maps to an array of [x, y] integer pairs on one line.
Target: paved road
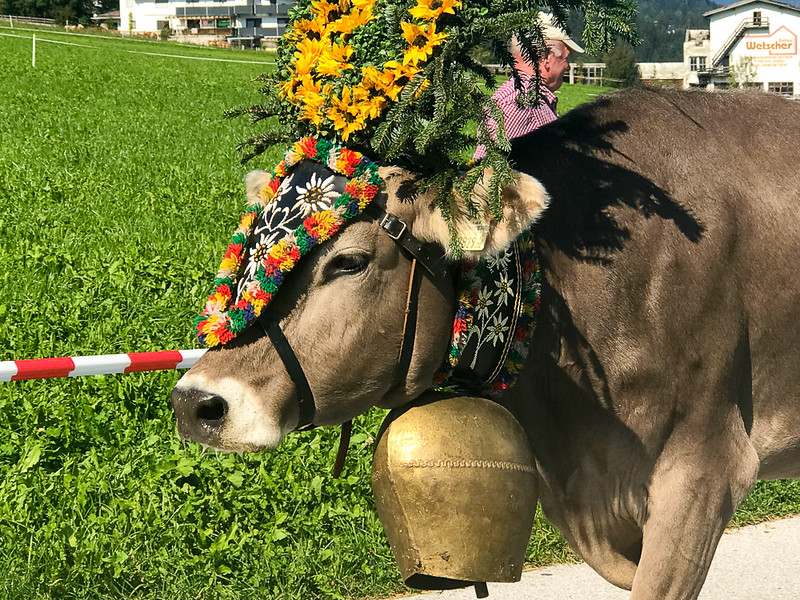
{"points": [[760, 562]]}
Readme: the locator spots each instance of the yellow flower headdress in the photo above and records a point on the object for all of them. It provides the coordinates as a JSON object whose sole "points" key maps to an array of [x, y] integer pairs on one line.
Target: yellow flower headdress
{"points": [[395, 79], [324, 42]]}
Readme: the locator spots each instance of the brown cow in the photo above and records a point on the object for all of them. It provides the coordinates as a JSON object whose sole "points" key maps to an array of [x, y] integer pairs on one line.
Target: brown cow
{"points": [[664, 375]]}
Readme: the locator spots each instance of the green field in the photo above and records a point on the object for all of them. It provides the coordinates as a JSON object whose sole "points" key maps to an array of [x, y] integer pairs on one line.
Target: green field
{"points": [[119, 188]]}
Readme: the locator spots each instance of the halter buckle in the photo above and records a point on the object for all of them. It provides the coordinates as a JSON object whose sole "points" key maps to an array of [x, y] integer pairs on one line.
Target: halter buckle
{"points": [[394, 227]]}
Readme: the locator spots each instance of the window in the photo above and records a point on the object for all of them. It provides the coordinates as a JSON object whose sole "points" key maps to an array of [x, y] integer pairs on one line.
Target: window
{"points": [[592, 75], [252, 23], [785, 87], [697, 63]]}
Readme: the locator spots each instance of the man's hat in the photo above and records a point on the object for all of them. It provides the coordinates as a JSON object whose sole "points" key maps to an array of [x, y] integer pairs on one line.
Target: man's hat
{"points": [[553, 32]]}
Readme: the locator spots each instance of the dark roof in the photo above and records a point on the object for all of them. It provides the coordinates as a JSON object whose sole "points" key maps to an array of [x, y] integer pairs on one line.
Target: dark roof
{"points": [[114, 14], [736, 5]]}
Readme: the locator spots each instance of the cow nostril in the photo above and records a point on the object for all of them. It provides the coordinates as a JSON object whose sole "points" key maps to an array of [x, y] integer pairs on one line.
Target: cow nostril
{"points": [[212, 409]]}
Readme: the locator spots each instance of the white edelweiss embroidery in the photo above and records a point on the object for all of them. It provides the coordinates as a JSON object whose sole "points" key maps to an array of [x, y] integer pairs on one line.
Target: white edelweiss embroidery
{"points": [[499, 261], [505, 290], [484, 302], [272, 227], [317, 195], [497, 330], [284, 187]]}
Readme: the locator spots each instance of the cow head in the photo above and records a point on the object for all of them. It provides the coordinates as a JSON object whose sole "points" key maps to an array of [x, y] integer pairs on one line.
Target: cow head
{"points": [[342, 311]]}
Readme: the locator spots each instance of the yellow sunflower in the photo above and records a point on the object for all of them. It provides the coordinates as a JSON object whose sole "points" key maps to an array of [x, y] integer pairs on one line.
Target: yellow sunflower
{"points": [[329, 11], [370, 101], [351, 20], [304, 63], [431, 10], [286, 88], [333, 60], [312, 95], [397, 77], [347, 116], [341, 51], [374, 106], [421, 42], [313, 109], [306, 28], [372, 77], [310, 50]]}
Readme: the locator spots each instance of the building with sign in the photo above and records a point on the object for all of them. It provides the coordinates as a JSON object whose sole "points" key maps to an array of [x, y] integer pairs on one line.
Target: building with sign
{"points": [[206, 20], [752, 43]]}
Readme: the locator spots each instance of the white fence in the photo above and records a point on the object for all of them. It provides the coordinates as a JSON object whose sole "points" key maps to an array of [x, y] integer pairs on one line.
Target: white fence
{"points": [[595, 73], [588, 73], [27, 20]]}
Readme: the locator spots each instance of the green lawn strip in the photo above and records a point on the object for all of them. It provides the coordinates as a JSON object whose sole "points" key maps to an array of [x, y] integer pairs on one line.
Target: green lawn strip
{"points": [[45, 36], [571, 95], [119, 188]]}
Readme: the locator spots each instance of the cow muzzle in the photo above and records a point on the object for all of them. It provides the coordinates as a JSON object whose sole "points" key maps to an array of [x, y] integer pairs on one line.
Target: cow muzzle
{"points": [[201, 415], [229, 415]]}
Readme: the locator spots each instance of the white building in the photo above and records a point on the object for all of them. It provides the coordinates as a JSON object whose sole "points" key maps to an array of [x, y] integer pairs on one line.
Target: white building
{"points": [[205, 20], [752, 43]]}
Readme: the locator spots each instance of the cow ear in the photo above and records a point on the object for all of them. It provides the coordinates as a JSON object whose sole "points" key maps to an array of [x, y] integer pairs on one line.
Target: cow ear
{"points": [[479, 237], [255, 181]]}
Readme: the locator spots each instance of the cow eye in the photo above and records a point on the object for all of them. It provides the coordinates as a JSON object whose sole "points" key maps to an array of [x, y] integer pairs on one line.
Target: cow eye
{"points": [[346, 264]]}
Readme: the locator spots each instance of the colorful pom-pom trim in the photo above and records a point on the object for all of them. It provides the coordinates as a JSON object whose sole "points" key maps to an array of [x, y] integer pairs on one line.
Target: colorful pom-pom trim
{"points": [[226, 314]]}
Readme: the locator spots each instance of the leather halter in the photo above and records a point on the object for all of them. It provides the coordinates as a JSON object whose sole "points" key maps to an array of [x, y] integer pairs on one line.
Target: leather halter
{"points": [[305, 398], [429, 255]]}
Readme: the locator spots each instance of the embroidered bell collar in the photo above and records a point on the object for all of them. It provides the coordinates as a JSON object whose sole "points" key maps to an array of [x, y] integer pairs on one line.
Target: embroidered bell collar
{"points": [[498, 299]]}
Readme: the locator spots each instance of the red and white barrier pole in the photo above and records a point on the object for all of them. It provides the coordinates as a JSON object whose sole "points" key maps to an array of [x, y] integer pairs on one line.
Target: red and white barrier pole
{"points": [[104, 364]]}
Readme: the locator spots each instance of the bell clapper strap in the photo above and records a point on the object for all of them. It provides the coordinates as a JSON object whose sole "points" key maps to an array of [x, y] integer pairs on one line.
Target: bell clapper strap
{"points": [[409, 321], [403, 362], [344, 444], [420, 253]]}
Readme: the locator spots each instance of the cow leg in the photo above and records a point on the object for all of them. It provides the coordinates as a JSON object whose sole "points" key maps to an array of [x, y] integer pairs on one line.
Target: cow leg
{"points": [[705, 470]]}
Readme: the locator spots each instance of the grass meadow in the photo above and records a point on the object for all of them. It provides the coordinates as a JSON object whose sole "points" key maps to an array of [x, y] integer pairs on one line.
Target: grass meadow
{"points": [[119, 188]]}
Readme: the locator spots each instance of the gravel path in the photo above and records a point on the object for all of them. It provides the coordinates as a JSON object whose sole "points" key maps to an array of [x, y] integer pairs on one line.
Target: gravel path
{"points": [[759, 562]]}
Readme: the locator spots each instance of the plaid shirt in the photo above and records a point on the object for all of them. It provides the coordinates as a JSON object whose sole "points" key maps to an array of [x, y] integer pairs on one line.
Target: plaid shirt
{"points": [[519, 121]]}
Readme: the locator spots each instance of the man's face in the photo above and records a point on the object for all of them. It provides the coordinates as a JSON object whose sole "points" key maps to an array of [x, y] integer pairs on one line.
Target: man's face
{"points": [[555, 65]]}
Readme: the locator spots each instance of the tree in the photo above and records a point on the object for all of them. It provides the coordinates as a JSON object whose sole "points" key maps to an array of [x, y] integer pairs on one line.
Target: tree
{"points": [[105, 6], [661, 25], [744, 72], [60, 10], [621, 67]]}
